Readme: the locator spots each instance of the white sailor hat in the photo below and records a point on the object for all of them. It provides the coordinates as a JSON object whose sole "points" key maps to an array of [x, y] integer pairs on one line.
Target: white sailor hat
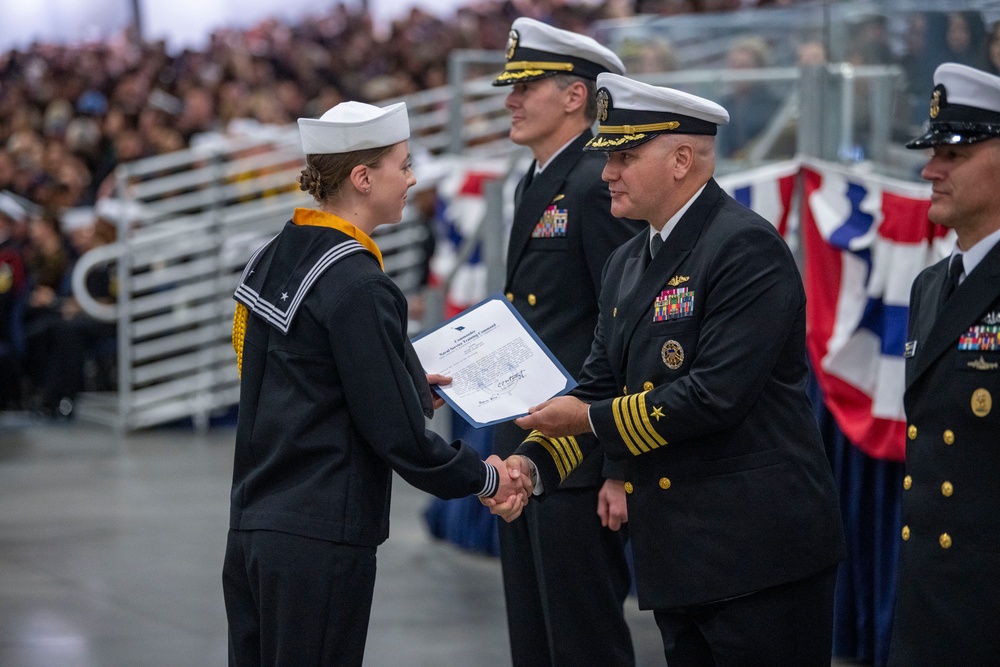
{"points": [[354, 126], [630, 113], [536, 50], [965, 107]]}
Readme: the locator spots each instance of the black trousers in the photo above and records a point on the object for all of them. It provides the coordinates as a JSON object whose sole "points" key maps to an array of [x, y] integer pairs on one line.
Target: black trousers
{"points": [[790, 625], [565, 580], [293, 600]]}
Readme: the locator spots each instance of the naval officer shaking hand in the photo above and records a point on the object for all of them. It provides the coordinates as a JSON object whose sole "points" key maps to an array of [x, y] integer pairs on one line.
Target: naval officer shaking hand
{"points": [[697, 381]]}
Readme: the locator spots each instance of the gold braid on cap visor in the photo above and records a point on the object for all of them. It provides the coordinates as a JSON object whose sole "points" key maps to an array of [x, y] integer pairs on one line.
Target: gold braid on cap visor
{"points": [[637, 129], [521, 69]]}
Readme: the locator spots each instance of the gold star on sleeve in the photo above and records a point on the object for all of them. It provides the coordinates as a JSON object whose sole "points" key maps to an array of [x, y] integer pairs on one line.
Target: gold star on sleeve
{"points": [[634, 425]]}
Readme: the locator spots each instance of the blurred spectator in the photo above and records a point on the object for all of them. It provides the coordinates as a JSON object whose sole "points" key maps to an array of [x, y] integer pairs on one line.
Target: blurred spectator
{"points": [[750, 103], [60, 335], [11, 302], [965, 39], [648, 56], [992, 52]]}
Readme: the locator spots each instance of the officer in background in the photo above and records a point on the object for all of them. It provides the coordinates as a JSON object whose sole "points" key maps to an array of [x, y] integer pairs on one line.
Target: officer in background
{"points": [[565, 572], [697, 380], [948, 594]]}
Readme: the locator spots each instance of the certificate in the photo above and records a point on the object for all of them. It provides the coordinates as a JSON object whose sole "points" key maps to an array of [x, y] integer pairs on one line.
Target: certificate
{"points": [[498, 365]]}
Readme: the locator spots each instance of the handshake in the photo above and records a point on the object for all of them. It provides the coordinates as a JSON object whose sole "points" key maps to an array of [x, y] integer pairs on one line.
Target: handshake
{"points": [[515, 487]]}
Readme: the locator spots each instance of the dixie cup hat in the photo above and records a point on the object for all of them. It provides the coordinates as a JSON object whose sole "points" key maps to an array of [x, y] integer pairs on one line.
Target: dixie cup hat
{"points": [[536, 50], [354, 126], [630, 113]]}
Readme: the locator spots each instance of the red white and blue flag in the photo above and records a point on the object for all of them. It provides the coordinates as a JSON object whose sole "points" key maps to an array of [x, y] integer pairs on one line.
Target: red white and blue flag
{"points": [[768, 191], [866, 238]]}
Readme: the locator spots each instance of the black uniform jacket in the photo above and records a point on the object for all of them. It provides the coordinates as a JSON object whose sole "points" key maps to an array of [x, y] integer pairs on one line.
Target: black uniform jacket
{"points": [[562, 235], [697, 378], [330, 395], [948, 599]]}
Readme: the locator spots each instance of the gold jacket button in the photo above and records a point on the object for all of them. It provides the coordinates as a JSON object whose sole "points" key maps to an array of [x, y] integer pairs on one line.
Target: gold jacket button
{"points": [[532, 300], [664, 483], [907, 482], [510, 296], [906, 533], [947, 489], [945, 541], [647, 385], [949, 437], [911, 432], [625, 390], [628, 487], [614, 313]]}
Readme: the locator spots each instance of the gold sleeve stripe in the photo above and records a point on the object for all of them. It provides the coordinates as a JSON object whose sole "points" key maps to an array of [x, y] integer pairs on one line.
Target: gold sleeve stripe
{"points": [[652, 437], [624, 426], [564, 451], [239, 333], [636, 129], [570, 451], [634, 426]]}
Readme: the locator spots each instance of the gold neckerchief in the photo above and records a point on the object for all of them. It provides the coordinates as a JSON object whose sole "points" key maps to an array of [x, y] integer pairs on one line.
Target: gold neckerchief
{"points": [[308, 216]]}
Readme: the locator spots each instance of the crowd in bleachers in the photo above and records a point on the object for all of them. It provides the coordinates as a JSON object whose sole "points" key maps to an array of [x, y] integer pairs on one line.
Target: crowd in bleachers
{"points": [[69, 114]]}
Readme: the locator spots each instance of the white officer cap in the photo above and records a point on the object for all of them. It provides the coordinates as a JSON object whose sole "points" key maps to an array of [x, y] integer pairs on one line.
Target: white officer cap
{"points": [[74, 219], [630, 113], [10, 208], [965, 107], [354, 126], [536, 50]]}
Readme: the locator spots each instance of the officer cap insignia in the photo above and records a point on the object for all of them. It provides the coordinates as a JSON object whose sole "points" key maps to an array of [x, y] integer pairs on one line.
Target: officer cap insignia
{"points": [[603, 100], [511, 45], [672, 354]]}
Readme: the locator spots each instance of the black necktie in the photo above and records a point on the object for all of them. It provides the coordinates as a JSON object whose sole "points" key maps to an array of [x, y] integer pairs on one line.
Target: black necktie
{"points": [[954, 273], [654, 245]]}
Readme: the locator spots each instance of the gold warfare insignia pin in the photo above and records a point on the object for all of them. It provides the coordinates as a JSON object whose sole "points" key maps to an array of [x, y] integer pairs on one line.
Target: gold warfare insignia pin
{"points": [[511, 44], [602, 104], [677, 280], [672, 354], [982, 402], [935, 104], [981, 364]]}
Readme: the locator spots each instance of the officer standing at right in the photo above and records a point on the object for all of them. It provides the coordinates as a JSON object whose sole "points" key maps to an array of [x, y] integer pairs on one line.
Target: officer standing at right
{"points": [[948, 594]]}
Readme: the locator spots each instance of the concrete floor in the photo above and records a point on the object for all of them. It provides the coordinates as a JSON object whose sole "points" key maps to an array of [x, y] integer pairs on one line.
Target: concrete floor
{"points": [[111, 552]]}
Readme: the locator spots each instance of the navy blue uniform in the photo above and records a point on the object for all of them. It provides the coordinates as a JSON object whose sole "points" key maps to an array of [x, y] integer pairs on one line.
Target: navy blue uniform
{"points": [[565, 575], [332, 400], [948, 594], [697, 381]]}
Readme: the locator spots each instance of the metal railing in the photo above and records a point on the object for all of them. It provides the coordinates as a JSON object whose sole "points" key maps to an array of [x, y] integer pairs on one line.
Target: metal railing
{"points": [[198, 214]]}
